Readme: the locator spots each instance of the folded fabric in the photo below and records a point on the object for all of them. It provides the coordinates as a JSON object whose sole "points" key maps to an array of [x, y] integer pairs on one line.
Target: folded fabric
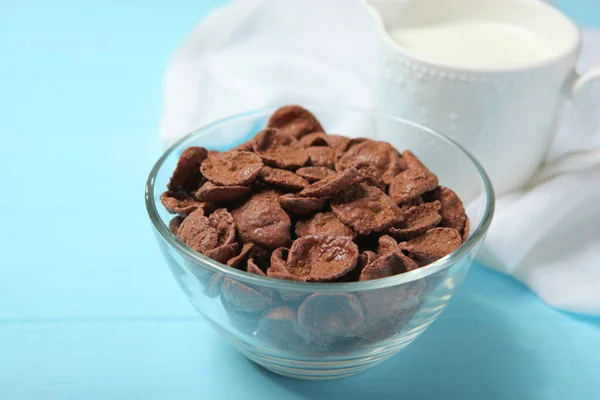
{"points": [[255, 53]]}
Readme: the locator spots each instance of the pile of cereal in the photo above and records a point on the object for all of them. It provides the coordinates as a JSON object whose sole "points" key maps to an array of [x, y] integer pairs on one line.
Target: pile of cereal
{"points": [[299, 204]]}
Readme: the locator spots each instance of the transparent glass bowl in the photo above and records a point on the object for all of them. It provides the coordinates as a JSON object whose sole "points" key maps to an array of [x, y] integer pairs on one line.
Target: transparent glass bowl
{"points": [[325, 330]]}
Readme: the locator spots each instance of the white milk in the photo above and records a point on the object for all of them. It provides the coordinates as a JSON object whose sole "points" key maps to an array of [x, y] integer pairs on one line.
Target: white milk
{"points": [[475, 44]]}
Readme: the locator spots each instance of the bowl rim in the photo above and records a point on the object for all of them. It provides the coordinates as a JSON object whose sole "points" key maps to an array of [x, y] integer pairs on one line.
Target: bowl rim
{"points": [[473, 240]]}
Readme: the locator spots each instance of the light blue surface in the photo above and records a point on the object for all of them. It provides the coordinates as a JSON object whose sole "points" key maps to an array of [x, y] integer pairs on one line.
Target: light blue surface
{"points": [[88, 309]]}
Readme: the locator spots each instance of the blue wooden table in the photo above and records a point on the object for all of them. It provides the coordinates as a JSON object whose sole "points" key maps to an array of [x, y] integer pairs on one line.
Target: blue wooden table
{"points": [[88, 309]]}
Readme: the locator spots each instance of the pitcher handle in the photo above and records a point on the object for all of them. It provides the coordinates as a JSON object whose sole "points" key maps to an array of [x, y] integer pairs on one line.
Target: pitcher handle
{"points": [[588, 107]]}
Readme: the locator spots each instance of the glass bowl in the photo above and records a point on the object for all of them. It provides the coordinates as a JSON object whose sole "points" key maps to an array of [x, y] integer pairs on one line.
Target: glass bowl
{"points": [[325, 330]]}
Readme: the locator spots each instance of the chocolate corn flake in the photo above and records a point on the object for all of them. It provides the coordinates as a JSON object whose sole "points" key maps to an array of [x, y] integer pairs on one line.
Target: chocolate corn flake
{"points": [[301, 205], [385, 303], [387, 311], [411, 203], [254, 268], [261, 257], [418, 220], [345, 146], [331, 185], [182, 203], [282, 178], [278, 259], [258, 261], [187, 172], [313, 174], [327, 224], [383, 160], [278, 270], [197, 232], [213, 193], [321, 258], [245, 298], [232, 168], [321, 156], [391, 264], [330, 313], [262, 221], [409, 184], [222, 221], [222, 253], [386, 245], [260, 253], [395, 166], [364, 259], [322, 139], [294, 121], [241, 320], [279, 150], [314, 139], [207, 233], [366, 209], [213, 288], [370, 256], [240, 260], [277, 327], [432, 245], [335, 141], [370, 175], [452, 212]]}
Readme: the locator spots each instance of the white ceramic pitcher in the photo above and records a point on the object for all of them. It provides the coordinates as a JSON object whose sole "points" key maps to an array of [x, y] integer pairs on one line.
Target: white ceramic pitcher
{"points": [[506, 115]]}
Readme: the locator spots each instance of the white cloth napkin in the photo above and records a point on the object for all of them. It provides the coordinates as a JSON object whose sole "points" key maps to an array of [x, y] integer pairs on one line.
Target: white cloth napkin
{"points": [[254, 53]]}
